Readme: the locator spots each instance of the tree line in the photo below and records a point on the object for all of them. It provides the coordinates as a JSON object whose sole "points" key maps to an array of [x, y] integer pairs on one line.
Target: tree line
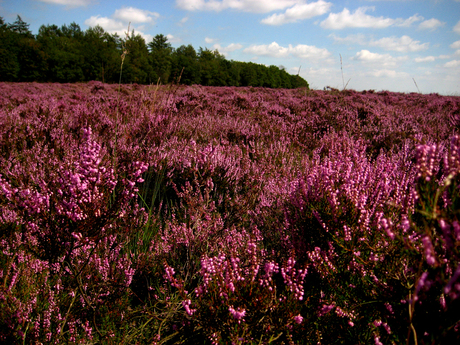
{"points": [[69, 54]]}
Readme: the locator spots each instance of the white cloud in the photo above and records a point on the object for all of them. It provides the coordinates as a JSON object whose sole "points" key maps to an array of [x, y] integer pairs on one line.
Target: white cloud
{"points": [[232, 47], [273, 49], [309, 52], [182, 21], [452, 64], [409, 21], [360, 19], [223, 50], [301, 50], [118, 23], [258, 6], [431, 24], [457, 27], [425, 59], [350, 39], [135, 15], [357, 19], [385, 60], [366, 55], [432, 58], [228, 49], [298, 12], [402, 44], [387, 73], [108, 24], [456, 45], [173, 39], [321, 71], [69, 3], [399, 44]]}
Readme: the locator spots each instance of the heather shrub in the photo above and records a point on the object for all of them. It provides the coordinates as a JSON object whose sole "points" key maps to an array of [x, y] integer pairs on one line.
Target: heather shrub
{"points": [[337, 226], [227, 215], [68, 227], [242, 296], [434, 301]]}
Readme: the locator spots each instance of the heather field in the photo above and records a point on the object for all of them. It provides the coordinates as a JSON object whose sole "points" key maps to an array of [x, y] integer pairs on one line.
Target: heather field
{"points": [[218, 215]]}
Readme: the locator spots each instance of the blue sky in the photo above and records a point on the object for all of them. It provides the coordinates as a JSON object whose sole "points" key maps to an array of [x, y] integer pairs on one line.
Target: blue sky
{"points": [[378, 44]]}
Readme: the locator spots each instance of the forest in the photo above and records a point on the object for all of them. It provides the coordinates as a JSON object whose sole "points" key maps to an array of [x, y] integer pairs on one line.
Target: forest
{"points": [[68, 54]]}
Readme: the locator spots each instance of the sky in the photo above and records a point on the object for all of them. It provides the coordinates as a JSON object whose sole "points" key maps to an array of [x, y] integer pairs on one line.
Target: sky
{"points": [[395, 45]]}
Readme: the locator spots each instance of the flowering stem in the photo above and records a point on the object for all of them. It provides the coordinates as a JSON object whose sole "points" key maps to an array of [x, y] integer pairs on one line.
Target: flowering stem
{"points": [[80, 287], [411, 314], [123, 55], [68, 312]]}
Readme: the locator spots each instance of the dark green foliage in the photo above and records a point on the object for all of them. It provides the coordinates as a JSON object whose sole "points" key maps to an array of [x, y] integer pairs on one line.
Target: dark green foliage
{"points": [[63, 48], [160, 58], [185, 65], [68, 54], [17, 51], [136, 66], [101, 56]]}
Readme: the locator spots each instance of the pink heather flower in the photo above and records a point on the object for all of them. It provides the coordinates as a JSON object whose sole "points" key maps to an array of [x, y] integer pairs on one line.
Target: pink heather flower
{"points": [[88, 330], [456, 227], [387, 227], [446, 231], [389, 308], [77, 235], [429, 251], [377, 323], [169, 273], [237, 314], [387, 327], [298, 319], [377, 340], [421, 283], [426, 157], [405, 224], [442, 301], [186, 304], [452, 280], [326, 308]]}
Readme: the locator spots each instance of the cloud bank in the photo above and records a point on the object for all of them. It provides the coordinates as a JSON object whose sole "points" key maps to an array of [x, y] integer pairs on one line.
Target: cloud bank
{"points": [[68, 3], [301, 50], [298, 12], [256, 6], [118, 22], [360, 19]]}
